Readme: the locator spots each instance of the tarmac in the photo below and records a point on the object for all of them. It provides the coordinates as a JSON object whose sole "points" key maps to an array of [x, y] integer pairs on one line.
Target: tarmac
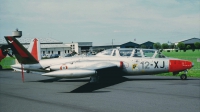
{"points": [[128, 94]]}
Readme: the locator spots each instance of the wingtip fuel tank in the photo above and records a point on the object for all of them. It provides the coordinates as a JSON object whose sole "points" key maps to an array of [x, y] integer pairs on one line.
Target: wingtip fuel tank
{"points": [[73, 73]]}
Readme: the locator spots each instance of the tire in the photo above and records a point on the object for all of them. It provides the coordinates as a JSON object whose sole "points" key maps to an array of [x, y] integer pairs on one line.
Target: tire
{"points": [[183, 76]]}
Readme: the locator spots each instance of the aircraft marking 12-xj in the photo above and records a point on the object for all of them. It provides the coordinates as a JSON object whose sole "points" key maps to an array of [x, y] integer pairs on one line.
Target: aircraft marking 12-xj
{"points": [[109, 63]]}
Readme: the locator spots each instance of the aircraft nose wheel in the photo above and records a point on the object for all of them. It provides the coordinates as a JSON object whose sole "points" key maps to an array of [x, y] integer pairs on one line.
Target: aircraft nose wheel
{"points": [[183, 76]]}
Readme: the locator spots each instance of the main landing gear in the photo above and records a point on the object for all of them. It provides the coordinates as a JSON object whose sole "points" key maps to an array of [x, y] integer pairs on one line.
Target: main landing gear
{"points": [[184, 76], [94, 79]]}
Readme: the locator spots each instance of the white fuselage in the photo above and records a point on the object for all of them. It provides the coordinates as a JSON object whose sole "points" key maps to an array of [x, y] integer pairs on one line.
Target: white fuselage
{"points": [[131, 65]]}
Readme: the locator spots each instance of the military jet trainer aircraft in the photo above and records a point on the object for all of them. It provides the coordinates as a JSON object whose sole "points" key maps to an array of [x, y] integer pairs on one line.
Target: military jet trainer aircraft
{"points": [[108, 63]]}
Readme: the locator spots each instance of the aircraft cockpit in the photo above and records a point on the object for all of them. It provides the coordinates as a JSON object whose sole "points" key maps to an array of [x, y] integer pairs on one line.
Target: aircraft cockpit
{"points": [[132, 52]]}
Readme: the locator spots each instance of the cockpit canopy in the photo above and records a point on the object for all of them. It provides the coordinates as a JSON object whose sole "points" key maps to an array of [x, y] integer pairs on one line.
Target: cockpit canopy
{"points": [[132, 52]]}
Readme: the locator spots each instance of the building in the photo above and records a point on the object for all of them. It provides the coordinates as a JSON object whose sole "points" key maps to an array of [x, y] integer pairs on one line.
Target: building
{"points": [[190, 42], [101, 48], [48, 45], [80, 47], [148, 45], [130, 45]]}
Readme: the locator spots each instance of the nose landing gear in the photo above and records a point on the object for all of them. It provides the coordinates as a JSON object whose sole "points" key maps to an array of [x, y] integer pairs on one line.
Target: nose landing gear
{"points": [[184, 76]]}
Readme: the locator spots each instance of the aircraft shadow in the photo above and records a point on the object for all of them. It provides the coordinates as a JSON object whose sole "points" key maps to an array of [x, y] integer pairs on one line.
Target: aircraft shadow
{"points": [[90, 87], [48, 80], [61, 80], [105, 82], [154, 79]]}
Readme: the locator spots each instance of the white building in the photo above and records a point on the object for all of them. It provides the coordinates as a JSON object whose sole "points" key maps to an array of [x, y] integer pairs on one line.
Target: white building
{"points": [[60, 49], [51, 46], [48, 45], [80, 47]]}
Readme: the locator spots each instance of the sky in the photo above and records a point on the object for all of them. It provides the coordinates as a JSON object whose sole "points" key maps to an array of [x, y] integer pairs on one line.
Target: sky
{"points": [[102, 21]]}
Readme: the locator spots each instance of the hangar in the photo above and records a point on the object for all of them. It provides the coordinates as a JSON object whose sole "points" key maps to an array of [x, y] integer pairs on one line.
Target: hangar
{"points": [[190, 42], [125, 45], [148, 45], [101, 48], [130, 45]]}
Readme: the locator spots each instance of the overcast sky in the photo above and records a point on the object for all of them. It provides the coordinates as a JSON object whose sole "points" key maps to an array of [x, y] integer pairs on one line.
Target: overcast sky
{"points": [[100, 21]]}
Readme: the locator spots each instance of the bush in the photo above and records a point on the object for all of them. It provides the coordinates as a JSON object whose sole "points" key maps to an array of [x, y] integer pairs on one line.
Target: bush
{"points": [[176, 50], [193, 50], [168, 50]]}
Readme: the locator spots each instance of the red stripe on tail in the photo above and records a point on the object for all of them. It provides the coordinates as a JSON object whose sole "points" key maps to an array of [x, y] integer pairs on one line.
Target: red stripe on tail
{"points": [[34, 51]]}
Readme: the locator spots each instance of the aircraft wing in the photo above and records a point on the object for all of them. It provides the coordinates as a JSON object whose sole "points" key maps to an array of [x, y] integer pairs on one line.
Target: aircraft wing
{"points": [[84, 69], [100, 65]]}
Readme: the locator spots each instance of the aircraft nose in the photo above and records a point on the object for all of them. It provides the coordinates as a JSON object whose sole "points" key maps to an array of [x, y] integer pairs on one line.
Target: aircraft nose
{"points": [[192, 64], [179, 65]]}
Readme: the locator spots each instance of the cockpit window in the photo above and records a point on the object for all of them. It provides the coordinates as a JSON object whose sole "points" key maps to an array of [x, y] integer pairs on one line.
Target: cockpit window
{"points": [[160, 55], [114, 53], [125, 52], [137, 53], [148, 52]]}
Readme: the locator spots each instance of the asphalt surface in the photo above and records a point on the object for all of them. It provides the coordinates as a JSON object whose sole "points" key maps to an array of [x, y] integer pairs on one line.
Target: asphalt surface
{"points": [[140, 94]]}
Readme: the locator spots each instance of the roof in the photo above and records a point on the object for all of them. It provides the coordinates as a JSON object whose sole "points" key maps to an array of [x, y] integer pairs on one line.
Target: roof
{"points": [[106, 46], [147, 42], [25, 40], [84, 44], [44, 42], [190, 41], [129, 43], [50, 46]]}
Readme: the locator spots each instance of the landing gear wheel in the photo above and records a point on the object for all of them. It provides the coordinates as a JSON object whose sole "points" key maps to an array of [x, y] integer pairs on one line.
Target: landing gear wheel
{"points": [[183, 76], [94, 79]]}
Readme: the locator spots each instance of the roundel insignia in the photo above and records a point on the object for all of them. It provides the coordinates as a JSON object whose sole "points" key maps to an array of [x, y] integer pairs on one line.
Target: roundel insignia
{"points": [[63, 67]]}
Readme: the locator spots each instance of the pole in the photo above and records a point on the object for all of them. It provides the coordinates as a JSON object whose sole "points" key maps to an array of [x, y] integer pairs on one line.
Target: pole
{"points": [[112, 43], [22, 72]]}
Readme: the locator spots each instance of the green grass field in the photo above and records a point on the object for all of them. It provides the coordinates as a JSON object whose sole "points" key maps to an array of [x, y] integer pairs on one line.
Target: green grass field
{"points": [[188, 55]]}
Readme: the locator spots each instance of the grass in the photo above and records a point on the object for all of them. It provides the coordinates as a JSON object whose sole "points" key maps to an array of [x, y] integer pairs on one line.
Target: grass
{"points": [[188, 55]]}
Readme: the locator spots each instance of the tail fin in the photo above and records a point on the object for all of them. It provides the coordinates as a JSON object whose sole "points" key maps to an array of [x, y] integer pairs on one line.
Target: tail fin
{"points": [[20, 52], [34, 49]]}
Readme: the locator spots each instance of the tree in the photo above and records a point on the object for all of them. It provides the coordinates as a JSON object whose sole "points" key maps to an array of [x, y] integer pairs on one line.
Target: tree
{"points": [[188, 47], [197, 45], [143, 46], [181, 45], [157, 45], [165, 46]]}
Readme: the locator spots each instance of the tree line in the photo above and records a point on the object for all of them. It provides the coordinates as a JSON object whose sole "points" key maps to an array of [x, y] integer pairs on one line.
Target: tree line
{"points": [[180, 46]]}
